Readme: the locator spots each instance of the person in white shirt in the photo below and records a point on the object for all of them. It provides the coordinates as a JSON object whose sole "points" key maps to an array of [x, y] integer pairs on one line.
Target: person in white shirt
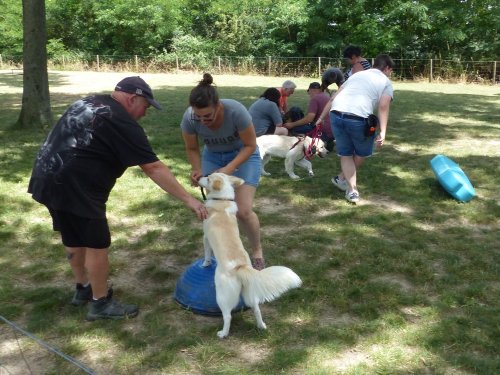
{"points": [[350, 108]]}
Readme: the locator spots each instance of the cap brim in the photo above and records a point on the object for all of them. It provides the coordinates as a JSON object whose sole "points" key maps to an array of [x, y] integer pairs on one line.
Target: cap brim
{"points": [[155, 104]]}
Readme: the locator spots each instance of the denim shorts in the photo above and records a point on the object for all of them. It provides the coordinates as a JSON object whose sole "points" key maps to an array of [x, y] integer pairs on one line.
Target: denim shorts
{"points": [[248, 171], [350, 136]]}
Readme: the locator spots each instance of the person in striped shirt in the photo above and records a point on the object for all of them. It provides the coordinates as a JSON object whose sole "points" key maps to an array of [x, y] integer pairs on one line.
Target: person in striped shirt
{"points": [[353, 56]]}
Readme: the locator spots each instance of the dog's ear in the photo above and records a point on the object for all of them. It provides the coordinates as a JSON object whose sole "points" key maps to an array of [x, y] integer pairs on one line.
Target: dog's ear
{"points": [[236, 181]]}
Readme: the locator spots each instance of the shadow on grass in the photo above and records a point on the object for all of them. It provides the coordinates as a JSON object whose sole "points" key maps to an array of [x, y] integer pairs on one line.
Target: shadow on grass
{"points": [[12, 80], [385, 268]]}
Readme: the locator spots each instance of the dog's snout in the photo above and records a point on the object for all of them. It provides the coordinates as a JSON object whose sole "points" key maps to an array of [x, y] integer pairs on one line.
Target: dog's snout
{"points": [[203, 182]]}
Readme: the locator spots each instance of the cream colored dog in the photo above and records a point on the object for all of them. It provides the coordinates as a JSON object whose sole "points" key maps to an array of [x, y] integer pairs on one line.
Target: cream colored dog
{"points": [[234, 275], [293, 149]]}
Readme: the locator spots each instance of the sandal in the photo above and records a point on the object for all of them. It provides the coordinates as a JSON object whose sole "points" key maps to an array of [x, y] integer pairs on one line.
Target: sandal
{"points": [[258, 264]]}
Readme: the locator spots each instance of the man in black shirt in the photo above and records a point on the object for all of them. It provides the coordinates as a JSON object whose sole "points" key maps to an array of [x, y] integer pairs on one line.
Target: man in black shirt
{"points": [[92, 145]]}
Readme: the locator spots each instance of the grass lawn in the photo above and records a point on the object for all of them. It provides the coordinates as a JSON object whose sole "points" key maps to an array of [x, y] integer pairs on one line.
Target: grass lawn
{"points": [[406, 282]]}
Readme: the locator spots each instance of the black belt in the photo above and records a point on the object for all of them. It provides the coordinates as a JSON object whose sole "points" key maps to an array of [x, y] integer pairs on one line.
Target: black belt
{"points": [[348, 116]]}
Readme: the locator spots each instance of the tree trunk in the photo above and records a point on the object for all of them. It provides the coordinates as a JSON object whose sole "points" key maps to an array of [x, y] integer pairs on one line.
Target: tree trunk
{"points": [[36, 111]]}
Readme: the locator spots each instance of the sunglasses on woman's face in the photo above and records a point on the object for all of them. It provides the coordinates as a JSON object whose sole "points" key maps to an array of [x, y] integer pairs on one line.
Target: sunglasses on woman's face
{"points": [[204, 115]]}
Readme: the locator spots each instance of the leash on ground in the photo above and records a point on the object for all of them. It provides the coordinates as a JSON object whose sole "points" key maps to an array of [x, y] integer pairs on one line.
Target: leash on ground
{"points": [[46, 346]]}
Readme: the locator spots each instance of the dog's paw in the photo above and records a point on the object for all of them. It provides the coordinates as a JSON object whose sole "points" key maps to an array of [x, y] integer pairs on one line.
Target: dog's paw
{"points": [[222, 334], [262, 326], [264, 173], [294, 177], [206, 263], [311, 174]]}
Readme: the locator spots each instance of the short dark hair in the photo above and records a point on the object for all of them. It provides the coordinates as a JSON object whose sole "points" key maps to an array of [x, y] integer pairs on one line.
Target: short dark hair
{"points": [[272, 94], [331, 75], [382, 62], [351, 51], [204, 94]]}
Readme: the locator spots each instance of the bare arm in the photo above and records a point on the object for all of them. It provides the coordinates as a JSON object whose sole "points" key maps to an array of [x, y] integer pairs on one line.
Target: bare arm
{"points": [[193, 155], [357, 67], [328, 107], [303, 121], [383, 115], [163, 177], [249, 140]]}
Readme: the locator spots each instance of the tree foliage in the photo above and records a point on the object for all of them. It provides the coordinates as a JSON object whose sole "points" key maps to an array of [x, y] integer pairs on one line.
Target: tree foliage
{"points": [[11, 27], [113, 27], [465, 29]]}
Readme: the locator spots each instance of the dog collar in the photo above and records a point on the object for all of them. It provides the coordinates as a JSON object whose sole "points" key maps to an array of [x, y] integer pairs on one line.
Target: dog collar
{"points": [[222, 199]]}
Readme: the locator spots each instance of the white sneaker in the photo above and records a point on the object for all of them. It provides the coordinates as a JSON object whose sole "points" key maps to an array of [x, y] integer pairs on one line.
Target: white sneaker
{"points": [[340, 183], [352, 197]]}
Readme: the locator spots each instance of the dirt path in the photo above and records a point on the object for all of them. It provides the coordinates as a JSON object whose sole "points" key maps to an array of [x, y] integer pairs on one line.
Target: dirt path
{"points": [[84, 82]]}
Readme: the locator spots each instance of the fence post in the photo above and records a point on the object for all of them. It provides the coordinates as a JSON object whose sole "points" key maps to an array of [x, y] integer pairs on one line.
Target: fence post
{"points": [[494, 70], [97, 59], [373, 61], [218, 60], [136, 63], [319, 66], [177, 63], [430, 73], [1, 61], [269, 66]]}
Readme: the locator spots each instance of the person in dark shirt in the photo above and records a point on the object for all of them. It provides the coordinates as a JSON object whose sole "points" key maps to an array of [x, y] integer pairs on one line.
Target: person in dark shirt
{"points": [[89, 148], [329, 76]]}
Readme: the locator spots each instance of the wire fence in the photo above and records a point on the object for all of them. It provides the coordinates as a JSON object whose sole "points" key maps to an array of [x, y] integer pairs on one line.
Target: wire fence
{"points": [[21, 352], [405, 69]]}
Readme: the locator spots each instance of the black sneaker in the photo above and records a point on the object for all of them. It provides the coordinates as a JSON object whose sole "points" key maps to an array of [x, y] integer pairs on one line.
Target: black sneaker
{"points": [[108, 308], [83, 294]]}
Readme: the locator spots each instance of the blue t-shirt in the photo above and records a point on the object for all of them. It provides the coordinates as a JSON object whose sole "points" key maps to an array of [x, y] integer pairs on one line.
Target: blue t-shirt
{"points": [[227, 136], [265, 113]]}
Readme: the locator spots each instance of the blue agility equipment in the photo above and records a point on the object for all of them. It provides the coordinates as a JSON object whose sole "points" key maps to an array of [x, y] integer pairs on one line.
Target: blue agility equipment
{"points": [[195, 289], [452, 178]]}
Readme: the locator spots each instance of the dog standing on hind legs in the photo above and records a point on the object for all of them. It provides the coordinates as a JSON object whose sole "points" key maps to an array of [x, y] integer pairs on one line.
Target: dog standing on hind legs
{"points": [[234, 274]]}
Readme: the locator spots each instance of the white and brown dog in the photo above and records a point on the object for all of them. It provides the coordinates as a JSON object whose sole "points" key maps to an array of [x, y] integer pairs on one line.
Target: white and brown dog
{"points": [[234, 275], [294, 149]]}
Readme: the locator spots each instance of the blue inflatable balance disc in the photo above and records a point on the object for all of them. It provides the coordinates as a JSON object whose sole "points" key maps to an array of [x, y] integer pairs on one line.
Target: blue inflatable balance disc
{"points": [[452, 178], [195, 289]]}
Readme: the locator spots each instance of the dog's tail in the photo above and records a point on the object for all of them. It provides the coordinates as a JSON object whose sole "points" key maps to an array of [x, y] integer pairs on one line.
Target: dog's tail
{"points": [[266, 285]]}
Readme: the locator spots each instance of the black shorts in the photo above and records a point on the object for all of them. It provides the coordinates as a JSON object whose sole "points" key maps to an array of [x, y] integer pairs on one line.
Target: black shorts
{"points": [[77, 231]]}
